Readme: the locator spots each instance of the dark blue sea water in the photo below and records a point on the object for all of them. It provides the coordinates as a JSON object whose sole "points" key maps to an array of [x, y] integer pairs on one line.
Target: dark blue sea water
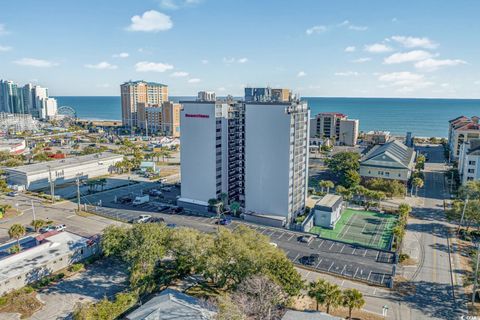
{"points": [[423, 117]]}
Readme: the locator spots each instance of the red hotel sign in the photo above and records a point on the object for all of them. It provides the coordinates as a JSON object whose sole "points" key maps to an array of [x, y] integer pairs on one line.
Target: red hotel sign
{"points": [[187, 115]]}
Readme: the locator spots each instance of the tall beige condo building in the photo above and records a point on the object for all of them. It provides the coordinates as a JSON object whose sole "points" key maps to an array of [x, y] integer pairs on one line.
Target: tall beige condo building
{"points": [[337, 126], [135, 92], [164, 118]]}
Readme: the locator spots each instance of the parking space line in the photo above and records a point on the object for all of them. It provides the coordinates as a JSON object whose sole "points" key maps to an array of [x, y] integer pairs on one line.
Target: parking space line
{"points": [[290, 237], [296, 257], [365, 253], [281, 235], [356, 272], [344, 267], [319, 263], [383, 277], [342, 248], [369, 274], [263, 231], [331, 266], [353, 252], [331, 246], [321, 244]]}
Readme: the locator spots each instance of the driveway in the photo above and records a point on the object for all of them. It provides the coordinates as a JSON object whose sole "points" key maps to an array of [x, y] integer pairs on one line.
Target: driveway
{"points": [[102, 279]]}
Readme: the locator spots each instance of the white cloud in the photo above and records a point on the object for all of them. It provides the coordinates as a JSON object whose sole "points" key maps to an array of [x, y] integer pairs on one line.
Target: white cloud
{"points": [[104, 65], [316, 29], [177, 4], [414, 42], [401, 57], [151, 21], [180, 74], [3, 30], [405, 81], [362, 60], [5, 48], [351, 26], [32, 62], [350, 49], [301, 74], [194, 80], [347, 74], [377, 48], [230, 60], [204, 61], [121, 55], [146, 66], [435, 64]]}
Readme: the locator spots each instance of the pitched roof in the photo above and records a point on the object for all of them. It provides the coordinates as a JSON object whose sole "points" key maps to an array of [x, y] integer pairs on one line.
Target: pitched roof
{"points": [[308, 315], [172, 304], [393, 151]]}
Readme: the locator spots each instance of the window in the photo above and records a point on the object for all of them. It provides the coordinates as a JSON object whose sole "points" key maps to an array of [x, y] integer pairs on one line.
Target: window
{"points": [[471, 162], [387, 174], [471, 170]]}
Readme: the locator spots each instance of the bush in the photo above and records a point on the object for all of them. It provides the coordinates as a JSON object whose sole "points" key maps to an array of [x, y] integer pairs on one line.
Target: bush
{"points": [[105, 309], [391, 188], [76, 267], [402, 257]]}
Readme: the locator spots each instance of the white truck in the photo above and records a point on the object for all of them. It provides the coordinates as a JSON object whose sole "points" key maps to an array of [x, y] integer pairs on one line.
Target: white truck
{"points": [[141, 200]]}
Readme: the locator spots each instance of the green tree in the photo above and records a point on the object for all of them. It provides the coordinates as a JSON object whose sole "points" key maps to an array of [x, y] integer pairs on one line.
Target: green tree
{"points": [[352, 299], [16, 231], [417, 183], [343, 162], [37, 224], [227, 309], [351, 178], [471, 190], [326, 184], [325, 293], [235, 208], [420, 163]]}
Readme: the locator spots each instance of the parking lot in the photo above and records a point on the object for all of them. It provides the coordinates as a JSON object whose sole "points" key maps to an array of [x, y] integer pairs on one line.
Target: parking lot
{"points": [[334, 257]]}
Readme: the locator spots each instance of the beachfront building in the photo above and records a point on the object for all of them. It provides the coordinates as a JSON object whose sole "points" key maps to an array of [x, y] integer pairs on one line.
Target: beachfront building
{"points": [[255, 152], [28, 99], [159, 119], [38, 176], [373, 138], [392, 160], [469, 161], [461, 130], [267, 94], [335, 127], [42, 256], [206, 96], [135, 92]]}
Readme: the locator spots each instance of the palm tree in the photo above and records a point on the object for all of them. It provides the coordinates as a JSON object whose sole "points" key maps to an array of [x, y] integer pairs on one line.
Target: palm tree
{"points": [[37, 224], [16, 231], [352, 299], [326, 184], [325, 293], [417, 183]]}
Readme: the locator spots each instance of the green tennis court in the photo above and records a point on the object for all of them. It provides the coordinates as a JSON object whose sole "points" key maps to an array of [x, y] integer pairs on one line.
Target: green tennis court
{"points": [[361, 227]]}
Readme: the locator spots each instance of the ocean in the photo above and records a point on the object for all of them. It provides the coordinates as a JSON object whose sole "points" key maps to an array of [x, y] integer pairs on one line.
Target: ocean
{"points": [[423, 117]]}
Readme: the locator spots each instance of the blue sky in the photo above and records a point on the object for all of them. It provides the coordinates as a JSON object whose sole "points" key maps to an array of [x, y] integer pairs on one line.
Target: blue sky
{"points": [[355, 48]]}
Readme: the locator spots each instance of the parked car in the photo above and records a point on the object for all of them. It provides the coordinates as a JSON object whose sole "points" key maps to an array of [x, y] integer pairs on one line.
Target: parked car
{"points": [[177, 209], [143, 218], [155, 193], [60, 227], [156, 220], [171, 225], [225, 221], [163, 208], [305, 239], [125, 199], [309, 260], [168, 189], [46, 229], [141, 200], [273, 244], [12, 194]]}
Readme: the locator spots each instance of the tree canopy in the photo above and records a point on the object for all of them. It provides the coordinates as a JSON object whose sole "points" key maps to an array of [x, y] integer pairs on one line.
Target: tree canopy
{"points": [[342, 163]]}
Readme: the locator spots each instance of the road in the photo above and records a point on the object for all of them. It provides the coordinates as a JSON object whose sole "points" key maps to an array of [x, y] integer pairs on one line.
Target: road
{"points": [[427, 241]]}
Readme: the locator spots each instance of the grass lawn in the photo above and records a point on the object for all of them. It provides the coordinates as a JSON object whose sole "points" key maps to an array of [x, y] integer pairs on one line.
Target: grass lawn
{"points": [[361, 227]]}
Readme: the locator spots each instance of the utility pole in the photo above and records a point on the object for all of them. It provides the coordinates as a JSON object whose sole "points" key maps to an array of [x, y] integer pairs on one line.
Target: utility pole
{"points": [[463, 214], [33, 212], [78, 195], [475, 275], [52, 185]]}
